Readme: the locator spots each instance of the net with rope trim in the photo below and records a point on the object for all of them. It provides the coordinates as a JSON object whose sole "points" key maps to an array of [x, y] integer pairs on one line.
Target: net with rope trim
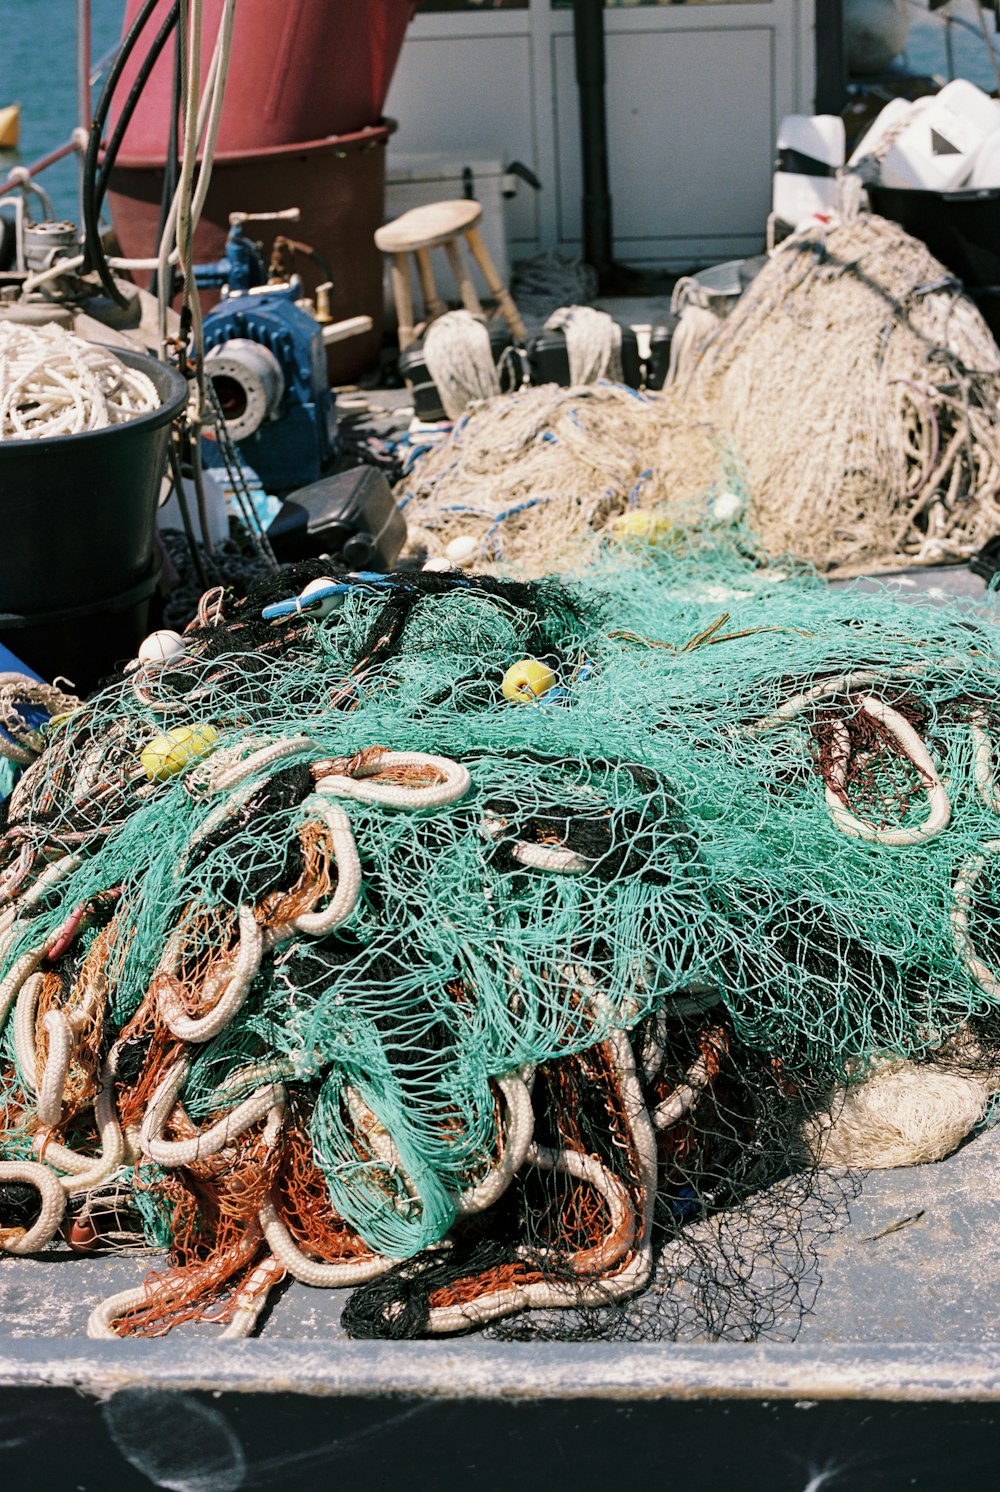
{"points": [[483, 1005]]}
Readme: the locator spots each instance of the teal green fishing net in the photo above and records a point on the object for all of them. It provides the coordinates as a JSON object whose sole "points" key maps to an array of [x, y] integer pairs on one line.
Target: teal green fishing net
{"points": [[478, 1002]]}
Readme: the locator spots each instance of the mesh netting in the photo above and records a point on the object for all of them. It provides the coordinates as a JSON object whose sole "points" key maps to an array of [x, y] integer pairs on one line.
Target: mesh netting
{"points": [[847, 407], [389, 969]]}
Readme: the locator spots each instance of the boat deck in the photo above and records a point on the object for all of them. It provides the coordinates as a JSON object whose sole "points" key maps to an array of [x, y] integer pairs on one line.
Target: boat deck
{"points": [[891, 1379]]}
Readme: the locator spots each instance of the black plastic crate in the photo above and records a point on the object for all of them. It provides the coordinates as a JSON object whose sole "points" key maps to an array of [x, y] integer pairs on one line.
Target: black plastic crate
{"points": [[549, 360], [427, 404], [350, 516]]}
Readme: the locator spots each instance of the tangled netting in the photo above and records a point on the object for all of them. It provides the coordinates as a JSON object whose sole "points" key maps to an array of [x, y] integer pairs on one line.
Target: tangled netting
{"points": [[54, 383], [853, 388], [860, 387], [326, 950], [533, 478]]}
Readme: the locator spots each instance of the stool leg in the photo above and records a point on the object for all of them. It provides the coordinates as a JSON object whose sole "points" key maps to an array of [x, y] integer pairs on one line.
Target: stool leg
{"points": [[435, 305], [402, 294], [504, 299], [459, 268]]}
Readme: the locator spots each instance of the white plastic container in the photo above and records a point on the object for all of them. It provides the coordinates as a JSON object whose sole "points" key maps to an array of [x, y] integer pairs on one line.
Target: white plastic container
{"points": [[936, 148], [986, 170], [810, 150]]}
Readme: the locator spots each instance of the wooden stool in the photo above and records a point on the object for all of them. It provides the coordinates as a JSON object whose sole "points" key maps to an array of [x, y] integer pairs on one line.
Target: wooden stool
{"points": [[441, 225]]}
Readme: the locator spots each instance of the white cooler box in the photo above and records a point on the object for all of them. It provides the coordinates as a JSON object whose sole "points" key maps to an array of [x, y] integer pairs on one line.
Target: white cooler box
{"points": [[436, 176]]}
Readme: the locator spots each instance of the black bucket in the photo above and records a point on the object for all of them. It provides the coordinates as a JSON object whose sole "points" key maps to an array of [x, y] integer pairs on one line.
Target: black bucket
{"points": [[77, 512], [84, 644], [962, 229]]}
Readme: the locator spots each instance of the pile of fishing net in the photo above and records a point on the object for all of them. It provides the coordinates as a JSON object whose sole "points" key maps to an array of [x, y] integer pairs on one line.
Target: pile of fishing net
{"points": [[849, 399], [859, 386], [531, 480], [496, 948]]}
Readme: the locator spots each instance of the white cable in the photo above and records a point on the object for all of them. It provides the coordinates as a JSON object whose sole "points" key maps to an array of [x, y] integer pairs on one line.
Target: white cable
{"points": [[53, 1198], [857, 828]]}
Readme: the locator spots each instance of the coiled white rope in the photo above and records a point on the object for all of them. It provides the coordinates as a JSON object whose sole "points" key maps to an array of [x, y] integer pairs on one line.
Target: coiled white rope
{"points": [[53, 383], [858, 828], [459, 358], [593, 343]]}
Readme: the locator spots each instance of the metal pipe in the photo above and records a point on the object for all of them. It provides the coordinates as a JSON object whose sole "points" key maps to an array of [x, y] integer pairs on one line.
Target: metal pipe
{"points": [[831, 57], [591, 77], [83, 110], [38, 166]]}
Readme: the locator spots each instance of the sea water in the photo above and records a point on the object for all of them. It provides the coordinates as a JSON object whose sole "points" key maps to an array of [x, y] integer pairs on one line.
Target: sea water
{"points": [[38, 71]]}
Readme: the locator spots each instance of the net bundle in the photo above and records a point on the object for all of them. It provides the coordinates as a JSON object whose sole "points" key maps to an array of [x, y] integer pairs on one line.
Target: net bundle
{"points": [[532, 480], [845, 409], [347, 946], [859, 386]]}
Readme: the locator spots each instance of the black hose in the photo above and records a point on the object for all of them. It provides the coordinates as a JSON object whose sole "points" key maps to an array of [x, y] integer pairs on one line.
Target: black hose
{"points": [[182, 502], [96, 258], [129, 107]]}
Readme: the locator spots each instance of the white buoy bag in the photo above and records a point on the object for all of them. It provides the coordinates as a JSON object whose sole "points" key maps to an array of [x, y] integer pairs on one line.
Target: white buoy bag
{"points": [[810, 152], [930, 145]]}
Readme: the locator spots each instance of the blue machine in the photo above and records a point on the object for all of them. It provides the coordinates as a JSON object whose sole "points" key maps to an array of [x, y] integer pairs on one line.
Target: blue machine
{"points": [[242, 266], [267, 363]]}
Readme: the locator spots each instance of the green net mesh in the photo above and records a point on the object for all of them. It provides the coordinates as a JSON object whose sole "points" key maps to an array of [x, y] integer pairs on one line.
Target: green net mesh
{"points": [[393, 970]]}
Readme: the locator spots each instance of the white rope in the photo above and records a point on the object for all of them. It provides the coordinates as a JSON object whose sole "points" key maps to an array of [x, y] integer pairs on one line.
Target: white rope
{"points": [[345, 897], [53, 1080], [54, 383], [53, 1198], [961, 905], [455, 784], [682, 1099], [315, 1272], [85, 1172], [593, 343], [849, 823], [982, 764], [251, 1298], [233, 995], [99, 1321], [209, 1142], [558, 860], [603, 1281], [518, 1130], [459, 359]]}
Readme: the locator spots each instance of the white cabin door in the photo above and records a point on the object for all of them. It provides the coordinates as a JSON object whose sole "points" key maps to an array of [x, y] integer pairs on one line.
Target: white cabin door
{"points": [[695, 95]]}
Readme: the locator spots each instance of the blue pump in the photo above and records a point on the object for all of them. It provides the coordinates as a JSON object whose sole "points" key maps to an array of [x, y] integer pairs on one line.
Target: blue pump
{"points": [[267, 362]]}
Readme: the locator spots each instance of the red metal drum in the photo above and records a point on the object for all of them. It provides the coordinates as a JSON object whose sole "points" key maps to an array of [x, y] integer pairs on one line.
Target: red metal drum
{"points": [[338, 183], [300, 70]]}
